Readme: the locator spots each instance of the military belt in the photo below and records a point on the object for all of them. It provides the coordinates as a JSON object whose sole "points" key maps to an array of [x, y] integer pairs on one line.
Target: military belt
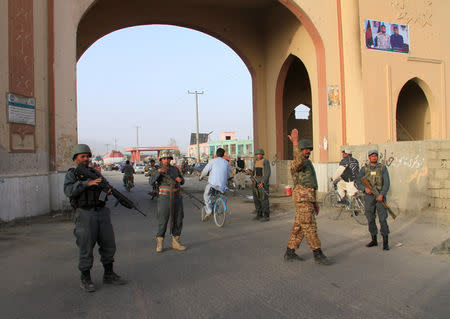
{"points": [[164, 190]]}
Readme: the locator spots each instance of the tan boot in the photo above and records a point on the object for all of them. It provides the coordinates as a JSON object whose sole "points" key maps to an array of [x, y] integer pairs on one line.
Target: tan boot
{"points": [[159, 244], [176, 244]]}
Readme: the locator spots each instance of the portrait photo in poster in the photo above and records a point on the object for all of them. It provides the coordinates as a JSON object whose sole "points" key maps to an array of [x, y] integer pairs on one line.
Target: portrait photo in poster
{"points": [[386, 36]]}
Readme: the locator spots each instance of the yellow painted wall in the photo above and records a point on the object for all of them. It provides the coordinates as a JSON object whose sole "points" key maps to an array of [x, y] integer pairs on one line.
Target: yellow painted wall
{"points": [[385, 73]]}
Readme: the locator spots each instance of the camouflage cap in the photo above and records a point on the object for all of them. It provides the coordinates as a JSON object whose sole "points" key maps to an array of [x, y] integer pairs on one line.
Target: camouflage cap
{"points": [[372, 152], [259, 151], [165, 154], [304, 144], [81, 149]]}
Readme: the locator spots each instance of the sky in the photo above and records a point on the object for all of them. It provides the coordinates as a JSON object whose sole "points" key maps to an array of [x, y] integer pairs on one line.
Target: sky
{"points": [[140, 76]]}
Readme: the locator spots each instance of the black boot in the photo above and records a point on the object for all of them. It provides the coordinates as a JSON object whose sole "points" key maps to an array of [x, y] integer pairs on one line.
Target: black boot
{"points": [[320, 258], [110, 277], [86, 282], [257, 217], [265, 219], [290, 255], [374, 242], [385, 242]]}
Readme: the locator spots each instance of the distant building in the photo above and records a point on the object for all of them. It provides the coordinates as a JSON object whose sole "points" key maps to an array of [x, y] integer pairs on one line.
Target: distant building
{"points": [[192, 148], [233, 147], [114, 157]]}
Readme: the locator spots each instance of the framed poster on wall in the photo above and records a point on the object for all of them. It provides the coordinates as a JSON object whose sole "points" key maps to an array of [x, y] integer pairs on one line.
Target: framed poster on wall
{"points": [[386, 36]]}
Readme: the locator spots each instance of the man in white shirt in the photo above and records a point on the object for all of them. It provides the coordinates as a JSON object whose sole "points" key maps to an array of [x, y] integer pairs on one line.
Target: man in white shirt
{"points": [[218, 170]]}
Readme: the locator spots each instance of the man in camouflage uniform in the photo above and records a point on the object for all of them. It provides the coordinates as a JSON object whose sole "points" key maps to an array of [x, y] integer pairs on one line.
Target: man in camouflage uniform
{"points": [[378, 176], [92, 220], [170, 201], [304, 197], [260, 175]]}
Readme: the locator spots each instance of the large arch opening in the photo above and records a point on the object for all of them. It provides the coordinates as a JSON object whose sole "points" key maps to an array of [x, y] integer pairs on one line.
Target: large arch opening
{"points": [[293, 104], [140, 89], [413, 116]]}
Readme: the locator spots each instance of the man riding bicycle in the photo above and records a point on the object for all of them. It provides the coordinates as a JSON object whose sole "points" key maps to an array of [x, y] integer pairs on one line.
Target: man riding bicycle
{"points": [[345, 175], [128, 172], [218, 170]]}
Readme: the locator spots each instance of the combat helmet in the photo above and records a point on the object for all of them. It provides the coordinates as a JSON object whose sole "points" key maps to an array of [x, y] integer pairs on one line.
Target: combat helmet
{"points": [[259, 151], [303, 144], [165, 154], [80, 149]]}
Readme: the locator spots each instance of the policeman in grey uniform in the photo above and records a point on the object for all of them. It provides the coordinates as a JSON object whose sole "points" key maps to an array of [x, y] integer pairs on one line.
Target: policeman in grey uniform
{"points": [[92, 220], [170, 201], [260, 175], [378, 176]]}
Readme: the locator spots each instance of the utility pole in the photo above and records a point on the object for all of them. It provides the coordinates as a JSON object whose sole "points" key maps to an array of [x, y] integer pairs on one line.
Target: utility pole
{"points": [[107, 148], [196, 115], [137, 143]]}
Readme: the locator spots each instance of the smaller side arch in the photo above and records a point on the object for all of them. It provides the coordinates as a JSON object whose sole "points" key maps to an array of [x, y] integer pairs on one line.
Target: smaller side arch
{"points": [[293, 88], [279, 90], [416, 117]]}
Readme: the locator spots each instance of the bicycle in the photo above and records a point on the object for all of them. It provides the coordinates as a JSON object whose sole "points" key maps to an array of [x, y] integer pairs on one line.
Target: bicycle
{"points": [[355, 206], [219, 207]]}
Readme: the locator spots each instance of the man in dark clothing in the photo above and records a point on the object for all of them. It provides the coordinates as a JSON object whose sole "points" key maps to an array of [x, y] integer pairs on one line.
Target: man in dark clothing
{"points": [[92, 220], [240, 163], [378, 176], [170, 201], [128, 171], [396, 40]]}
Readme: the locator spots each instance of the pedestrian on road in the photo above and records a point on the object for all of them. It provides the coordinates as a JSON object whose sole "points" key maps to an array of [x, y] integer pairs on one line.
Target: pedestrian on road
{"points": [[128, 172], [152, 170], [306, 206], [170, 201], [92, 220], [378, 176], [260, 174]]}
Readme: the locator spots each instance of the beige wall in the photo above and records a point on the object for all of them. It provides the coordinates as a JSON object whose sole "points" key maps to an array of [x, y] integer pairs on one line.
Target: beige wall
{"points": [[26, 163], [385, 73]]}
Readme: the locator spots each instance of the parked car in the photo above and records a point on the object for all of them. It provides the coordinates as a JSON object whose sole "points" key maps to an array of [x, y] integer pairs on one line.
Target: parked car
{"points": [[139, 168]]}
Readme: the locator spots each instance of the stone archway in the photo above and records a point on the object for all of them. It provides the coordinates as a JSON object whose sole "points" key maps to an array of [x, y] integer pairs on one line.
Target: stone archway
{"points": [[237, 23], [413, 115]]}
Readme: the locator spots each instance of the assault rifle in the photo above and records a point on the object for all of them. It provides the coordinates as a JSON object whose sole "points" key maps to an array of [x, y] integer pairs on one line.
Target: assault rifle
{"points": [[367, 184], [84, 173], [253, 179]]}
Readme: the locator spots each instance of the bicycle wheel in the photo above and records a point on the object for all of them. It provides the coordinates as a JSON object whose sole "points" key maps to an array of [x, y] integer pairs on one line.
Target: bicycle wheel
{"points": [[330, 206], [358, 212], [220, 208]]}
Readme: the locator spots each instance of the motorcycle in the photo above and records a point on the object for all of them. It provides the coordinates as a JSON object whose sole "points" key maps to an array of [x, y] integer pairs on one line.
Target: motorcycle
{"points": [[129, 184]]}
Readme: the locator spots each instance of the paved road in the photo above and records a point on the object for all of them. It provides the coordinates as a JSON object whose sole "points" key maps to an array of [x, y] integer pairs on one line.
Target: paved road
{"points": [[232, 272]]}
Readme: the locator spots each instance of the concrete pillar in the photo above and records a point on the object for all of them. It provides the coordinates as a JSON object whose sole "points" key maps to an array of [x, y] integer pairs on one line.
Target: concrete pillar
{"points": [[354, 110]]}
